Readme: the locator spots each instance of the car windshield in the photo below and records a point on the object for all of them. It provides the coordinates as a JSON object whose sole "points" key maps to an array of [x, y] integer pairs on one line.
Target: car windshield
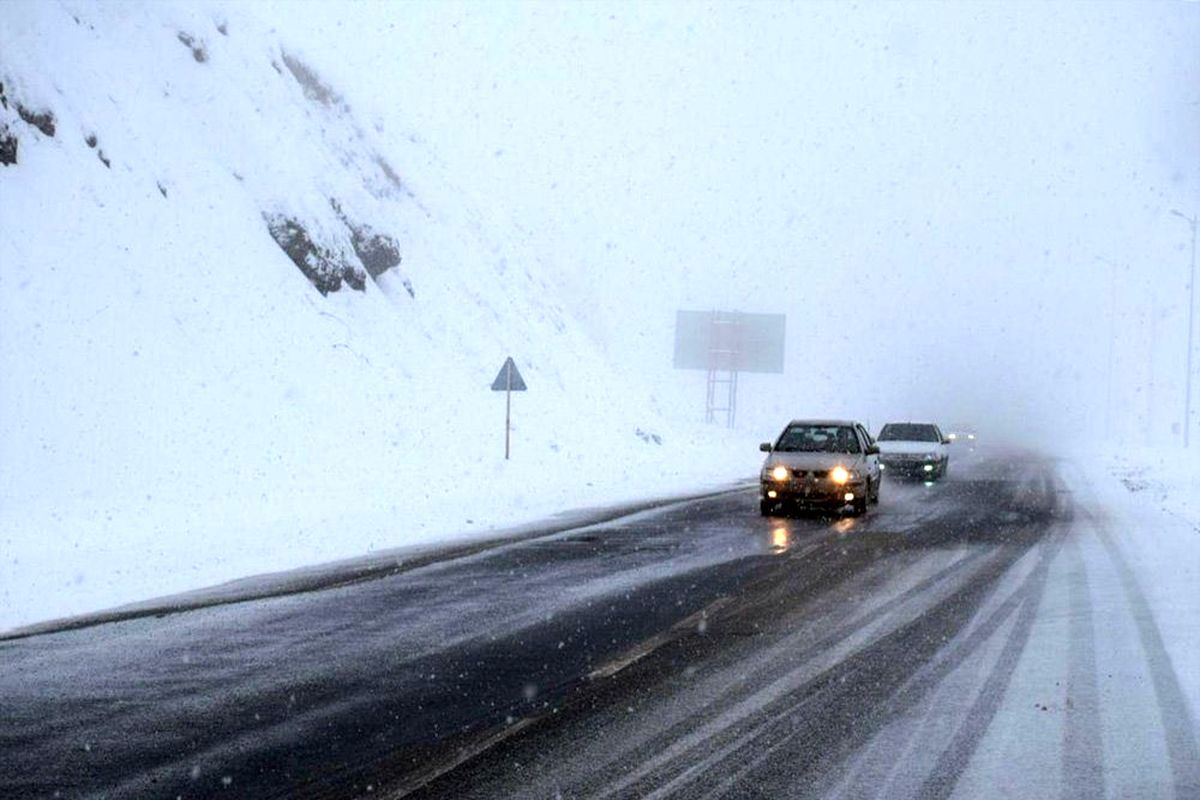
{"points": [[818, 439], [908, 433]]}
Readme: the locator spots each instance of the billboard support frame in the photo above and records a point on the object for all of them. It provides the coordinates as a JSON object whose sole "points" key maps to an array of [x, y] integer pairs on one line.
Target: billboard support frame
{"points": [[725, 344], [727, 355]]}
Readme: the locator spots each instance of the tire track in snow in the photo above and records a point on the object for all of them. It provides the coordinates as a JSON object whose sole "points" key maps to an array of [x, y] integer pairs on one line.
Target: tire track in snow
{"points": [[678, 746], [836, 693], [1083, 743], [954, 759], [1178, 728]]}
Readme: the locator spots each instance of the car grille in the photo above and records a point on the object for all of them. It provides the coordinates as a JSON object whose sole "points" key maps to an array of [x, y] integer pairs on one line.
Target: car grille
{"points": [[804, 473]]}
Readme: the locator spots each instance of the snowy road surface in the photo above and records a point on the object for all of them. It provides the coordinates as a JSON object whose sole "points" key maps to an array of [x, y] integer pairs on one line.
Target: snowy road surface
{"points": [[994, 635]]}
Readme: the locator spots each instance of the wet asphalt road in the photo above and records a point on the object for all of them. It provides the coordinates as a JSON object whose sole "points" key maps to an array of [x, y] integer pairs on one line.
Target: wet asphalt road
{"points": [[857, 624], [698, 650]]}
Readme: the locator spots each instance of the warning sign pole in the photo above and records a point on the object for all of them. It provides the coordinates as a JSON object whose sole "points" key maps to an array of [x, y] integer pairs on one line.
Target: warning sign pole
{"points": [[509, 380], [507, 410]]}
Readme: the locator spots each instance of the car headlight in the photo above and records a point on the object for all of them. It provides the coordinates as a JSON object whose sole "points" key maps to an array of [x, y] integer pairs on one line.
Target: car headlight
{"points": [[779, 473], [931, 456], [839, 474]]}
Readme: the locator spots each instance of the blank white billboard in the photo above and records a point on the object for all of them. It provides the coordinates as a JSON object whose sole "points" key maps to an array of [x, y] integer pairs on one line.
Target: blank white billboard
{"points": [[729, 340]]}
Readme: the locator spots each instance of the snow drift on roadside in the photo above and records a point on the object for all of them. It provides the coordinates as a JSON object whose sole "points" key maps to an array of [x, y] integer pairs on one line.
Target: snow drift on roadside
{"points": [[182, 406]]}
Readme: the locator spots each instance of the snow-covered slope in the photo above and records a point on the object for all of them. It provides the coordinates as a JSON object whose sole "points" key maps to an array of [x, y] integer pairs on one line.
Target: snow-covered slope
{"points": [[211, 362]]}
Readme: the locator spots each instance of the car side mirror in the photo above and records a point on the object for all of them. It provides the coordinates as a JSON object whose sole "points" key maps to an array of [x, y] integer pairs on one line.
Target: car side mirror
{"points": [[872, 449], [947, 441], [765, 447]]}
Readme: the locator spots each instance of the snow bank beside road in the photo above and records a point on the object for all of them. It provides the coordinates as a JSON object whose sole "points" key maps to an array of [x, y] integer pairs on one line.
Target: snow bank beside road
{"points": [[1170, 479], [183, 404], [1150, 501]]}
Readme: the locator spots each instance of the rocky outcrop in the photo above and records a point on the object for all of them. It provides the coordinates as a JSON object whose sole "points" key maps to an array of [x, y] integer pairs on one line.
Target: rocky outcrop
{"points": [[326, 269], [377, 252], [8, 146], [197, 47], [42, 120], [314, 88]]}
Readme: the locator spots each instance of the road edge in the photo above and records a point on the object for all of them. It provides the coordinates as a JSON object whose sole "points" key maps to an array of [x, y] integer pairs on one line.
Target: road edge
{"points": [[358, 569]]}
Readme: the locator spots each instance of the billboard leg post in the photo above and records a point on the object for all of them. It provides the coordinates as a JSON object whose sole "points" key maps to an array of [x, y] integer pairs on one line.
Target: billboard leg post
{"points": [[724, 344]]}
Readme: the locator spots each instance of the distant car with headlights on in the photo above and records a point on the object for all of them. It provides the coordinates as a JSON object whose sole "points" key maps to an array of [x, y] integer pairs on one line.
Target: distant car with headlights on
{"points": [[828, 464], [964, 436], [914, 450]]}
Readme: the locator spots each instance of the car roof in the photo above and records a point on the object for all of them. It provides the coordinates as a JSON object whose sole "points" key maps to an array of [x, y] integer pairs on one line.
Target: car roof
{"points": [[830, 422]]}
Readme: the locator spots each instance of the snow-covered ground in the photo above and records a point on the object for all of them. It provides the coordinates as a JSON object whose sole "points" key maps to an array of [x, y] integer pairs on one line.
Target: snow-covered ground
{"points": [[1169, 480], [1151, 499], [1090, 678], [181, 406]]}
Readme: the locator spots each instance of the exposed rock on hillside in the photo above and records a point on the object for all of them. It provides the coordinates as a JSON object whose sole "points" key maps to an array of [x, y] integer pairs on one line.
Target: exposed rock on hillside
{"points": [[42, 120], [377, 252], [8, 146], [324, 268], [314, 88], [8, 139], [197, 47]]}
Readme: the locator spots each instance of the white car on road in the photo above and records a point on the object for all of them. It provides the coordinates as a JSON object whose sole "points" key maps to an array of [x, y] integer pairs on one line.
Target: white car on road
{"points": [[913, 449]]}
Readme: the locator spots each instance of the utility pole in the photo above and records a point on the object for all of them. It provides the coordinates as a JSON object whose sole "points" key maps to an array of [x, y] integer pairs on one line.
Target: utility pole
{"points": [[1112, 338], [1187, 391]]}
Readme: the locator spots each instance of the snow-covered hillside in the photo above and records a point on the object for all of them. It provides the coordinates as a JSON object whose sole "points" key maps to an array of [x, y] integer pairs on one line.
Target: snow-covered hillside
{"points": [[242, 328]]}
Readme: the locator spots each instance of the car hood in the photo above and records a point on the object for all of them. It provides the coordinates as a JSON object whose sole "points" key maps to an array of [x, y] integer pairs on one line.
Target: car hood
{"points": [[812, 461], [920, 448]]}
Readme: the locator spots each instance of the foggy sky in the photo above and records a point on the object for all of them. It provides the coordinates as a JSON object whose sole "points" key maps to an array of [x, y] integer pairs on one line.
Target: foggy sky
{"points": [[947, 200]]}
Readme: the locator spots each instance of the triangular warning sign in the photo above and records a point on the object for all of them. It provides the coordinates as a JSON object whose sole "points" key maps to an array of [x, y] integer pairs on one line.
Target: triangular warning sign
{"points": [[509, 378]]}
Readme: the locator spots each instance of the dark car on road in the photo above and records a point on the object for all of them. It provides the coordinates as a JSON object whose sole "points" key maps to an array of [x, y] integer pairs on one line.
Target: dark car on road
{"points": [[828, 464]]}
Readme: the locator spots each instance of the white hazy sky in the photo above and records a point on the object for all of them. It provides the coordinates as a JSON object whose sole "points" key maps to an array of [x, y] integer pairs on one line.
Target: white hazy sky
{"points": [[936, 194]]}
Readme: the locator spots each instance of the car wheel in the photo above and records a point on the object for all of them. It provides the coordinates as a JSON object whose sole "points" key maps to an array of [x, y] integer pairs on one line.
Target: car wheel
{"points": [[874, 496], [765, 508], [859, 506]]}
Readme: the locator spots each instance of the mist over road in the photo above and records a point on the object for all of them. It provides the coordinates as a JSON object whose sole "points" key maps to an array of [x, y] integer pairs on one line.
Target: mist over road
{"points": [[696, 650]]}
